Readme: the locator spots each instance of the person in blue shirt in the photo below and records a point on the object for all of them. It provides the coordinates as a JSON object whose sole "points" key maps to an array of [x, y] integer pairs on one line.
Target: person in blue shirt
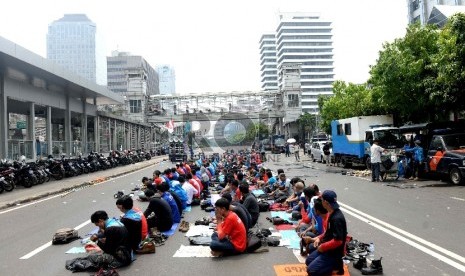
{"points": [[166, 195], [271, 182], [417, 159]]}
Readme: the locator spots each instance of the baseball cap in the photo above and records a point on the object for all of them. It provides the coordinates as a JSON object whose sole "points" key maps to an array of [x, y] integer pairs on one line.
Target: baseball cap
{"points": [[331, 197]]}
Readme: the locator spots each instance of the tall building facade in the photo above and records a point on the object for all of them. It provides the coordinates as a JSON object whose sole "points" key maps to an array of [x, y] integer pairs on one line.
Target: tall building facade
{"points": [[268, 64], [121, 66], [306, 39], [134, 78], [167, 77], [74, 43], [420, 10]]}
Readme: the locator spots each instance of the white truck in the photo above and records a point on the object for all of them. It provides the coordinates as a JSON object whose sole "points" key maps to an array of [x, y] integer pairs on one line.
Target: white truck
{"points": [[353, 137]]}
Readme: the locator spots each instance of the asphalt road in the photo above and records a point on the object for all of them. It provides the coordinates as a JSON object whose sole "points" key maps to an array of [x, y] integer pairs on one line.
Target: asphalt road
{"points": [[417, 229]]}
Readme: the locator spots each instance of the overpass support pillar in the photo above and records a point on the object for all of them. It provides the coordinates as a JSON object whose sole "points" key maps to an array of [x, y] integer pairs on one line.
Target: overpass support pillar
{"points": [[68, 136], [4, 122], [31, 129], [48, 130]]}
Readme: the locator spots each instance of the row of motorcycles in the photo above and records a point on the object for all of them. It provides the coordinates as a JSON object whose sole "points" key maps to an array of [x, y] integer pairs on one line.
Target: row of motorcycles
{"points": [[28, 174]]}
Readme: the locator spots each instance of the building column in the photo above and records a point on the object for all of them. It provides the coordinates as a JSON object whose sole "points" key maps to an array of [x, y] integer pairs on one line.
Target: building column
{"points": [[84, 127], [4, 122], [115, 135], [48, 130], [129, 134], [31, 129], [110, 140], [97, 133]]}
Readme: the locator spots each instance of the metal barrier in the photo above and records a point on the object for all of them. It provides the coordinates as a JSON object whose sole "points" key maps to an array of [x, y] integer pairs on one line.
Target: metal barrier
{"points": [[17, 148]]}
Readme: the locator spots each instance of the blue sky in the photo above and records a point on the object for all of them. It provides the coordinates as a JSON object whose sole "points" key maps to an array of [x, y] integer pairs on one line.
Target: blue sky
{"points": [[213, 45]]}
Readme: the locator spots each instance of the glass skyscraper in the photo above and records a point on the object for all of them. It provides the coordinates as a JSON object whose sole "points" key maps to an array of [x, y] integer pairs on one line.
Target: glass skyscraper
{"points": [[304, 39], [167, 79], [73, 42]]}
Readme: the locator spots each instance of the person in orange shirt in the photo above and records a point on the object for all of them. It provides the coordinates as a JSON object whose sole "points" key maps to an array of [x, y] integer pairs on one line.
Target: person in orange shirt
{"points": [[230, 237]]}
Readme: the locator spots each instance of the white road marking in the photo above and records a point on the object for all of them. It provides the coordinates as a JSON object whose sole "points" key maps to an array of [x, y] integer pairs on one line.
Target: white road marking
{"points": [[457, 198], [407, 234], [29, 204], [46, 245], [408, 241], [35, 251]]}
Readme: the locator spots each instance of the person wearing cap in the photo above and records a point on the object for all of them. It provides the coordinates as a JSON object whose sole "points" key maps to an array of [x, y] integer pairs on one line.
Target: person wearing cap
{"points": [[328, 248], [375, 151], [417, 158]]}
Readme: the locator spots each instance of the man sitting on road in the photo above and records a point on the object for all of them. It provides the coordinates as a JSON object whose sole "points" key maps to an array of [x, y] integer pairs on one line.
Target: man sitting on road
{"points": [[328, 248], [134, 220], [168, 197], [158, 213], [190, 190], [230, 236], [250, 203], [113, 239]]}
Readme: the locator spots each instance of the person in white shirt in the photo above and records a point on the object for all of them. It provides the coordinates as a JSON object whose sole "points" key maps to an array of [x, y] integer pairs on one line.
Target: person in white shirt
{"points": [[190, 190], [376, 151]]}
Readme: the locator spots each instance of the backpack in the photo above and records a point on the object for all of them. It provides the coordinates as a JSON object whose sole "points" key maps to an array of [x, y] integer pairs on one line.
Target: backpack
{"points": [[263, 206], [65, 235]]}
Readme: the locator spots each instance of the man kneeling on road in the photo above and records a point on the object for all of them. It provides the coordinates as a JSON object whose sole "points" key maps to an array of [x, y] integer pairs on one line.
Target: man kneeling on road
{"points": [[230, 237], [113, 239], [328, 248]]}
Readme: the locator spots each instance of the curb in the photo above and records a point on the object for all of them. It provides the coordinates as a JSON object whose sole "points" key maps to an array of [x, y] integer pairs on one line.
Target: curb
{"points": [[73, 188]]}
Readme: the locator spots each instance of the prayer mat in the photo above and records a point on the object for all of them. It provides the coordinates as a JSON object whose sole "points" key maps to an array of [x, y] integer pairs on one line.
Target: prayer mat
{"points": [[188, 209], [76, 250], [193, 251], [292, 237], [285, 227], [299, 270], [281, 214], [258, 192], [172, 230]]}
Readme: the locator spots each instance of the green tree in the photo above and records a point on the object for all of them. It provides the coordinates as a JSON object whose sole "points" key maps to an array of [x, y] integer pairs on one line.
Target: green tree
{"points": [[254, 130], [450, 66], [307, 125], [403, 78], [349, 100]]}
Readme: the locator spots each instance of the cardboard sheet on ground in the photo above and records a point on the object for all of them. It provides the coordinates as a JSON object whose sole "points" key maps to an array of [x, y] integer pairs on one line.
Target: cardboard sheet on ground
{"points": [[281, 214], [199, 230], [258, 192], [299, 270], [291, 235], [172, 230], [214, 198], [193, 251], [76, 250]]}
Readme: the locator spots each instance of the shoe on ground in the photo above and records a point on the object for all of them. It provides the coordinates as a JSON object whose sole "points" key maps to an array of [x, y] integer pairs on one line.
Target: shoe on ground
{"points": [[411, 178], [416, 178], [374, 269], [360, 263]]}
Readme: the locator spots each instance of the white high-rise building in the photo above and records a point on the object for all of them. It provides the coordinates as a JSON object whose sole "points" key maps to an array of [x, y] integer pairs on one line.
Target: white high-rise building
{"points": [[423, 10], [268, 64], [73, 42], [167, 79], [306, 39]]}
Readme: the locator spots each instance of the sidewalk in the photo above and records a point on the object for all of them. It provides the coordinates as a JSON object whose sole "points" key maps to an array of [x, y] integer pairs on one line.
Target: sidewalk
{"points": [[22, 195]]}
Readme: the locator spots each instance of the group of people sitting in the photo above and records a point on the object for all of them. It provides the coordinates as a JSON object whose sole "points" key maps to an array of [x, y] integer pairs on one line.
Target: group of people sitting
{"points": [[321, 223]]}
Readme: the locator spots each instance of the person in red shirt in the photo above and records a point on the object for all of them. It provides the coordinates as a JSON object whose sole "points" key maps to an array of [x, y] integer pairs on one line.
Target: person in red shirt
{"points": [[230, 237]]}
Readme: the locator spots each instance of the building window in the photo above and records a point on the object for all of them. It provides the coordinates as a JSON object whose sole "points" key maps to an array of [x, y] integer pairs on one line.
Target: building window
{"points": [[293, 100], [339, 130], [347, 129], [135, 106], [415, 4]]}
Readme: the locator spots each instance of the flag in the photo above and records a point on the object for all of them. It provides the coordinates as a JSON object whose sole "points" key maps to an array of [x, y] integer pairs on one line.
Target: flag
{"points": [[170, 126]]}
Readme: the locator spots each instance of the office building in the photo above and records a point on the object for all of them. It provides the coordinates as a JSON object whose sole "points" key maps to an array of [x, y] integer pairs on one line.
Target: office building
{"points": [[433, 11], [167, 77], [74, 43], [268, 65], [134, 78], [305, 39]]}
